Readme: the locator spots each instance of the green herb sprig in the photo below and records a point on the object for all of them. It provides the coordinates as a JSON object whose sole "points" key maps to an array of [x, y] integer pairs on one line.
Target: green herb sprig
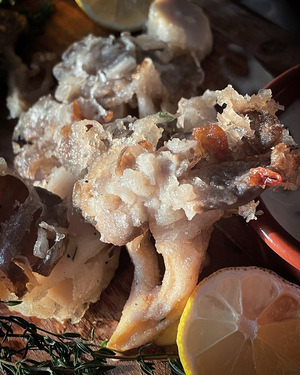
{"points": [[66, 353], [166, 117]]}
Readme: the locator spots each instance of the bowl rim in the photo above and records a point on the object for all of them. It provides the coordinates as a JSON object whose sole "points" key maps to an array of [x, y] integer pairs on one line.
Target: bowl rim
{"points": [[267, 227]]}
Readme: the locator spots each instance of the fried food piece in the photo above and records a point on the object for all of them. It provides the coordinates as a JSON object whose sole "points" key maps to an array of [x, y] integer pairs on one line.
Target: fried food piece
{"points": [[175, 191], [103, 84], [101, 79], [43, 141], [182, 24], [33, 230], [154, 305], [51, 259], [127, 74]]}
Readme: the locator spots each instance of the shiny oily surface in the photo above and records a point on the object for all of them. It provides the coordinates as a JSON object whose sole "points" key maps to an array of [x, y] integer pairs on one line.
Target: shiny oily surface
{"points": [[241, 320]]}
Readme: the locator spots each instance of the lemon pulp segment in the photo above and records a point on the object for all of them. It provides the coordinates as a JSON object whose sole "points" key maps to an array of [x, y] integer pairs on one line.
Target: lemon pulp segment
{"points": [[241, 320]]}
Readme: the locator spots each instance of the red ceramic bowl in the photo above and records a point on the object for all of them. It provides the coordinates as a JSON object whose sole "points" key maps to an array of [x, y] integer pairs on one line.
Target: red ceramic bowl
{"points": [[286, 90]]}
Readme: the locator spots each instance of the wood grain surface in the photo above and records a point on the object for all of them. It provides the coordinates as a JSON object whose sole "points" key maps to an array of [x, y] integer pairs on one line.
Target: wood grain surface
{"points": [[248, 51]]}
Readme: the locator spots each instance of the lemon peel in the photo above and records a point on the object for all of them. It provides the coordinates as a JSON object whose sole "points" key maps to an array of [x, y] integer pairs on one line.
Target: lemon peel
{"points": [[241, 320], [119, 15]]}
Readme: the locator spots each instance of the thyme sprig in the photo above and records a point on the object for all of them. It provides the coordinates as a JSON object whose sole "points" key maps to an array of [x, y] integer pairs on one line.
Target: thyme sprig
{"points": [[66, 353]]}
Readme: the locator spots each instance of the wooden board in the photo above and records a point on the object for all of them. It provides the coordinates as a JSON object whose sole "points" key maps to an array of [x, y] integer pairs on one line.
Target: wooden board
{"points": [[242, 39]]}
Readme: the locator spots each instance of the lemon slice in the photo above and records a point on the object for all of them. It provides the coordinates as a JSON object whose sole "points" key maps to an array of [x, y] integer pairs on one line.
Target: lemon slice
{"points": [[117, 15], [241, 321]]}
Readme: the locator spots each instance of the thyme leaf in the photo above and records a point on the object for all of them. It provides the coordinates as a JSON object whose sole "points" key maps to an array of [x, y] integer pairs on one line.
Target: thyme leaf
{"points": [[11, 303], [75, 252], [67, 353], [176, 366], [166, 116]]}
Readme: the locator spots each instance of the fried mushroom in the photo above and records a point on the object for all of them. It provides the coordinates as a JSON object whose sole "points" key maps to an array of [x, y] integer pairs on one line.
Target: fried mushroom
{"points": [[176, 192], [50, 259]]}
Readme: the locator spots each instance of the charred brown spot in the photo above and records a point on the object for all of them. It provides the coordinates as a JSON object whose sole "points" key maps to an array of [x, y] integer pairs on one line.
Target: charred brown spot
{"points": [[128, 155], [212, 140], [264, 177], [108, 117], [147, 145], [267, 128], [76, 111], [112, 201], [65, 131], [126, 160], [140, 67]]}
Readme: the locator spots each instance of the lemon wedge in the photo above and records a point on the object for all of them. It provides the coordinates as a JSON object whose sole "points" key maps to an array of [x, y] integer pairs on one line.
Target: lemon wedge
{"points": [[241, 321], [119, 15]]}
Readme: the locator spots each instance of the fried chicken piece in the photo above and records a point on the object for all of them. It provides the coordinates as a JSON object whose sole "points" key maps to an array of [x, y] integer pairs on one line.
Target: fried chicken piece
{"points": [[177, 191]]}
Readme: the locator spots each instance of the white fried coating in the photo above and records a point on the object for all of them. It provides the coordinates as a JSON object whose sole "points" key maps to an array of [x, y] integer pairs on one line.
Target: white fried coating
{"points": [[125, 73], [101, 79], [144, 183], [43, 131], [78, 279], [142, 191], [102, 84], [175, 191], [136, 178]]}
